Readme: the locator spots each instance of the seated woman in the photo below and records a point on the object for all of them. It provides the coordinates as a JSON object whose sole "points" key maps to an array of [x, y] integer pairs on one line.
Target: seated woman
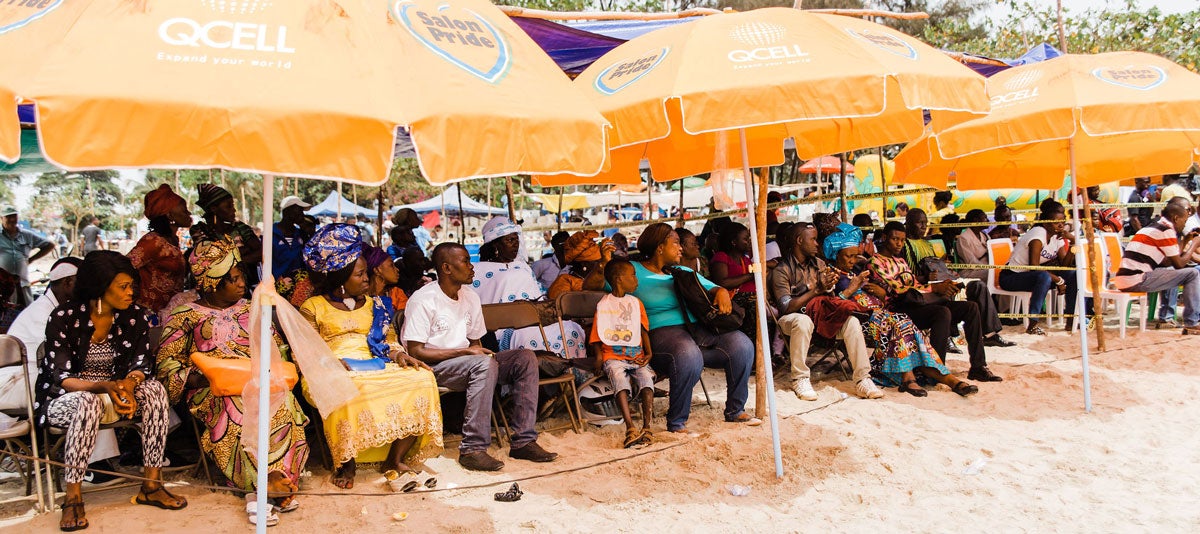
{"points": [[900, 348], [730, 266], [397, 418], [157, 255], [681, 351], [216, 326], [98, 366], [1048, 243], [693, 257], [585, 261], [501, 276]]}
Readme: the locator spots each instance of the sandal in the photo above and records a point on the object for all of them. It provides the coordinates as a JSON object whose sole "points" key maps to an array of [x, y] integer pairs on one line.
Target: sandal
{"points": [[1034, 329], [252, 514], [647, 438], [404, 483], [430, 483], [79, 514], [632, 438], [140, 499], [513, 494], [287, 504], [916, 390], [965, 389]]}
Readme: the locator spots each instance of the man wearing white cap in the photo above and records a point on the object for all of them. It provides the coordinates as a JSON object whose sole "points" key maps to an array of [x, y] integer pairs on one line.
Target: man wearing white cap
{"points": [[15, 245], [30, 328], [287, 241]]}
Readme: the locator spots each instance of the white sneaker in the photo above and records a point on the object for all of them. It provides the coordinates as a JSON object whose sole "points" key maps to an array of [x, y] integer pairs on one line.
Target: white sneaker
{"points": [[866, 389], [803, 389]]}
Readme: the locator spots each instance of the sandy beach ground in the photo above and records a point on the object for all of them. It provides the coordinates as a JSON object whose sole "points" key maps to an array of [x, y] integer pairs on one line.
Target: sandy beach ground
{"points": [[1021, 456]]}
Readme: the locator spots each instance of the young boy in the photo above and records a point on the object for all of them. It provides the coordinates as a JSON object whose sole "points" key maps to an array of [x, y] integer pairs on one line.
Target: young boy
{"points": [[620, 342]]}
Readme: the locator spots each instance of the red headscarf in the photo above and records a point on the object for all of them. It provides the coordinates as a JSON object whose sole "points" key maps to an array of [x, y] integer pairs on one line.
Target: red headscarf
{"points": [[161, 201]]}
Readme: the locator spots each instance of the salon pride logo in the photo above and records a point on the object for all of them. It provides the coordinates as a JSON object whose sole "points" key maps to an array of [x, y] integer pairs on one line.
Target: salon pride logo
{"points": [[16, 14], [458, 35], [626, 71], [1140, 77], [885, 41]]}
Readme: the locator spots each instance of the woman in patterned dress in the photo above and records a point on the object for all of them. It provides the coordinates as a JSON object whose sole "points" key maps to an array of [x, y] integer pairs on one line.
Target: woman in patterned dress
{"points": [[157, 255], [216, 325]]}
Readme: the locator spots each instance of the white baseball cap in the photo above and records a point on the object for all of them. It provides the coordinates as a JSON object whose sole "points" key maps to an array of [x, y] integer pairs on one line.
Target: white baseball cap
{"points": [[293, 201]]}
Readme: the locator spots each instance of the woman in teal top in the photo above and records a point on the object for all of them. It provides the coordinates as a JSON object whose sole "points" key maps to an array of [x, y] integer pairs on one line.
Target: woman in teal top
{"points": [[681, 354]]}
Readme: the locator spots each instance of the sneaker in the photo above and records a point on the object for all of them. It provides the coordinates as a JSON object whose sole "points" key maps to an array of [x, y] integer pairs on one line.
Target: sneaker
{"points": [[866, 389], [532, 452], [803, 389], [479, 461], [100, 480]]}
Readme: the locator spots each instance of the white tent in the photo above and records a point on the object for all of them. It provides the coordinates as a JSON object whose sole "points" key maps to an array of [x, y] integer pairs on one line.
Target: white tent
{"points": [[336, 205], [448, 201]]}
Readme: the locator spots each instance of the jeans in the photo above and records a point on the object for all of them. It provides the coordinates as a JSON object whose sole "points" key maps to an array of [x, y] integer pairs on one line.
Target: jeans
{"points": [[938, 319], [1038, 283], [1167, 278], [799, 329], [478, 375], [1167, 301], [682, 355]]}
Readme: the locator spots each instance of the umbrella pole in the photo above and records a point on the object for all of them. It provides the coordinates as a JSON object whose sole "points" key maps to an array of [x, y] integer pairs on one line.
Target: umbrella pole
{"points": [[1080, 311], [760, 287], [760, 218], [649, 197], [508, 190], [680, 223], [882, 182], [842, 187], [560, 209], [264, 364], [379, 220], [462, 221]]}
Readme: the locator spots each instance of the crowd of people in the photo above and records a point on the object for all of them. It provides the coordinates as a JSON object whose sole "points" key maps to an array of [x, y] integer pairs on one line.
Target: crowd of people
{"points": [[162, 332]]}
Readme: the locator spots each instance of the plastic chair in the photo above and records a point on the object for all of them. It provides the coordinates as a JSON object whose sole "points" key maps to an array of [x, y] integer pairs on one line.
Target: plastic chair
{"points": [[999, 251], [1116, 251], [12, 354], [523, 314], [1123, 300]]}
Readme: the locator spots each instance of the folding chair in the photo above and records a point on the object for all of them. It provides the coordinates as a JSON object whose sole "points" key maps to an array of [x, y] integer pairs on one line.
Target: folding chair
{"points": [[12, 354], [522, 314], [999, 251]]}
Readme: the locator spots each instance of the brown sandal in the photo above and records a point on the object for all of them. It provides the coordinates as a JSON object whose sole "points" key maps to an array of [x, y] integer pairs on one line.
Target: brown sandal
{"points": [[80, 514], [632, 438], [141, 499]]}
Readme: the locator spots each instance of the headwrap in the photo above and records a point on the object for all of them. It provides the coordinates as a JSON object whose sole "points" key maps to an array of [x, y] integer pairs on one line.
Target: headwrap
{"points": [[498, 227], [161, 201], [581, 247], [210, 196], [63, 270], [375, 257], [333, 247], [843, 237], [211, 261]]}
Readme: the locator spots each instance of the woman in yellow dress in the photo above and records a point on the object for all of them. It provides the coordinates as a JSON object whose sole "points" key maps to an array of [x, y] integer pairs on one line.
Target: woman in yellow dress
{"points": [[396, 420]]}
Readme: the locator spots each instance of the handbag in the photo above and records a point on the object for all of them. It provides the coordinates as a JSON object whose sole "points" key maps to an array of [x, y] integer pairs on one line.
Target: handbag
{"points": [[935, 269], [227, 377], [694, 298], [915, 299], [369, 364]]}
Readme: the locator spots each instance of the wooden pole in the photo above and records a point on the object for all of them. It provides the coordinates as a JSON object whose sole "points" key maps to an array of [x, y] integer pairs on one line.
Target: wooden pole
{"points": [[760, 363], [379, 221], [649, 197], [1062, 36], [1093, 274], [883, 184], [679, 224], [842, 186], [560, 208], [339, 204], [462, 220], [508, 191]]}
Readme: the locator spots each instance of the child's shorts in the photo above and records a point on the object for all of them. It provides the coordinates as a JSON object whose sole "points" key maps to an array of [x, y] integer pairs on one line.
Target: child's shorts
{"points": [[623, 374]]}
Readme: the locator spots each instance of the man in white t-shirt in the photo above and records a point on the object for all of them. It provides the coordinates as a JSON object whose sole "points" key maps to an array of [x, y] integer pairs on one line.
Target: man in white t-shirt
{"points": [[443, 324]]}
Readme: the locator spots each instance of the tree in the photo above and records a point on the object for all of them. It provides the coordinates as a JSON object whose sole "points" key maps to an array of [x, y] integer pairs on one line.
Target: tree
{"points": [[68, 199]]}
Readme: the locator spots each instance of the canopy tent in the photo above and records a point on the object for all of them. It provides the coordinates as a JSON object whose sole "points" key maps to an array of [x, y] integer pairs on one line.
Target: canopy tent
{"points": [[31, 159], [336, 205], [1038, 53], [575, 45], [692, 198], [448, 201], [824, 164]]}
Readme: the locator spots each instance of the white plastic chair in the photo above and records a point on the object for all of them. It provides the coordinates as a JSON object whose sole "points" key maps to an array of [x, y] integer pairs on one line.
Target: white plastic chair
{"points": [[999, 250], [1121, 299]]}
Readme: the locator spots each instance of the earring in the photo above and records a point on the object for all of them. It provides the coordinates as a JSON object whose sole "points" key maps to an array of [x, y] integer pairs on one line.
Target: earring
{"points": [[100, 306]]}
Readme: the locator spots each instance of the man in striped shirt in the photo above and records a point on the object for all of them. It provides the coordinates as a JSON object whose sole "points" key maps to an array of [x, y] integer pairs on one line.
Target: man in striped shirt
{"points": [[1152, 262]]}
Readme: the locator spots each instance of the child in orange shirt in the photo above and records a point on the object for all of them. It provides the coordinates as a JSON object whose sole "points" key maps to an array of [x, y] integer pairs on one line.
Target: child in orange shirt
{"points": [[620, 342]]}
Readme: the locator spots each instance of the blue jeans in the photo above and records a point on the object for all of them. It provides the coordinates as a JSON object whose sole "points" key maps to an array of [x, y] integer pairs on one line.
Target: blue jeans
{"points": [[1038, 283], [1167, 278], [1167, 302], [682, 356]]}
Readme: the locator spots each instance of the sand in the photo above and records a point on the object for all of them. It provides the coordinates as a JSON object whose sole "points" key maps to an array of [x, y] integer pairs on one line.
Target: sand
{"points": [[1020, 456]]}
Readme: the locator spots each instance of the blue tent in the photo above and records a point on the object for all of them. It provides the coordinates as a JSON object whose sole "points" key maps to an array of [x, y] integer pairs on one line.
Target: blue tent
{"points": [[1036, 54], [329, 208]]}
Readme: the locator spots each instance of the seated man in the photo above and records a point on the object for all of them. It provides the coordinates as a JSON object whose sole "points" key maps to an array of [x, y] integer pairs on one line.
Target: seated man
{"points": [[795, 282], [890, 271], [916, 225], [1152, 262], [442, 327]]}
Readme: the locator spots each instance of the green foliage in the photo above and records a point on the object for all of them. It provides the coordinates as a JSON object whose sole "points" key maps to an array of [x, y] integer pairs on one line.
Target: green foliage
{"points": [[7, 183], [69, 199]]}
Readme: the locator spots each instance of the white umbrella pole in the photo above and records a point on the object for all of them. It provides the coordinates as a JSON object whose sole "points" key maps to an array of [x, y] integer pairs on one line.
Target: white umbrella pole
{"points": [[264, 364], [1080, 309], [760, 286]]}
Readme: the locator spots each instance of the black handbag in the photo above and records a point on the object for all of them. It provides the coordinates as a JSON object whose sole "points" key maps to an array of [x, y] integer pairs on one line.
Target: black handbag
{"points": [[694, 298], [935, 270]]}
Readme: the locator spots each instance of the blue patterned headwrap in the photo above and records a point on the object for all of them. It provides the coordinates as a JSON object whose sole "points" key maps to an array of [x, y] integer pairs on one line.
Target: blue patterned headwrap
{"points": [[333, 247], [846, 236]]}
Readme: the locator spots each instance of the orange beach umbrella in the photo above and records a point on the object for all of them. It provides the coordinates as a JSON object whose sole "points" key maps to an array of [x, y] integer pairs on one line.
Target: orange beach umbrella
{"points": [[311, 88]]}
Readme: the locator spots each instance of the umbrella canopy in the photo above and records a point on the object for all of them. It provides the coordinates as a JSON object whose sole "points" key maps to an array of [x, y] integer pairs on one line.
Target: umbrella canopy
{"points": [[336, 205], [1124, 114], [824, 164], [312, 88]]}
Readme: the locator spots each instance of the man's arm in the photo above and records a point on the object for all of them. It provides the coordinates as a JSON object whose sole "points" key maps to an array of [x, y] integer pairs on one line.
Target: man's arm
{"points": [[44, 247], [429, 355], [1181, 261]]}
